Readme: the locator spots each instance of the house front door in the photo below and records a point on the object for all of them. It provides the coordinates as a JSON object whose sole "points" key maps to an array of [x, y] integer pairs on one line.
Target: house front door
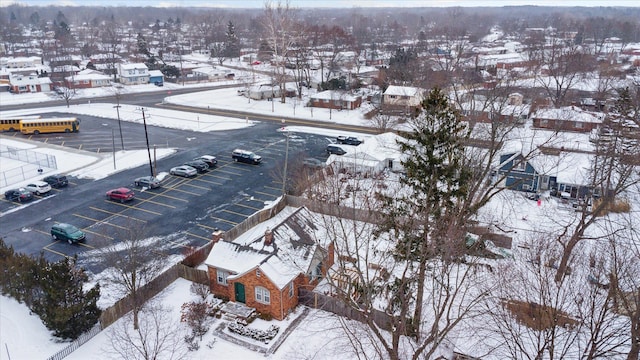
{"points": [[239, 289]]}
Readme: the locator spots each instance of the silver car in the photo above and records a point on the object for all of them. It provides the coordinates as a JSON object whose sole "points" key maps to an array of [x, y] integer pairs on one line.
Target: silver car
{"points": [[147, 182], [183, 170]]}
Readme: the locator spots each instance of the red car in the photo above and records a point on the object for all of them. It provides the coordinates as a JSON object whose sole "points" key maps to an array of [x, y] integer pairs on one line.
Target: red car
{"points": [[120, 194]]}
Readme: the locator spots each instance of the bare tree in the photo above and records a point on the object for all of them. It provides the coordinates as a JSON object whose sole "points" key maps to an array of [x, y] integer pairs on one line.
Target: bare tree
{"points": [[157, 336], [559, 68], [613, 172], [133, 262], [280, 29]]}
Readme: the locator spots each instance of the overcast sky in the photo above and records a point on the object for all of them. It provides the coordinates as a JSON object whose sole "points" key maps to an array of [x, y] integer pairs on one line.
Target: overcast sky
{"points": [[324, 3]]}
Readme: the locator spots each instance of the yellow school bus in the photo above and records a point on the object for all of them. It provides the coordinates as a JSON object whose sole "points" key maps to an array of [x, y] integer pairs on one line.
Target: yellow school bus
{"points": [[12, 123], [51, 125]]}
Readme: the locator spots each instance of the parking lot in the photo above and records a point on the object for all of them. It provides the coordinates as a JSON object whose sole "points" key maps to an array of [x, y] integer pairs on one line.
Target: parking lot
{"points": [[185, 211]]}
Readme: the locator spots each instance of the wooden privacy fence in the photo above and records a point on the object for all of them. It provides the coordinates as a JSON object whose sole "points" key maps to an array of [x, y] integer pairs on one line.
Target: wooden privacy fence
{"points": [[333, 305]]}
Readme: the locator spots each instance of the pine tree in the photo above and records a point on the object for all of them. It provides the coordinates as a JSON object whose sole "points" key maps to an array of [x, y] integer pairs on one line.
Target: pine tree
{"points": [[63, 306], [231, 44]]}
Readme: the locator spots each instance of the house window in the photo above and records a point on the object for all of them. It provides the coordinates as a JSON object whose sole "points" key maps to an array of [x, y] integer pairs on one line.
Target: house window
{"points": [[519, 165], [222, 277], [579, 125], [263, 295], [291, 289], [544, 122], [258, 272]]}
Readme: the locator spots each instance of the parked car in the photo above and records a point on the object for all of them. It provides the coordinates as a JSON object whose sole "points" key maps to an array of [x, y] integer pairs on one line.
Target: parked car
{"points": [[147, 182], [67, 232], [56, 181], [246, 157], [121, 194], [209, 159], [19, 195], [349, 140], [335, 149], [184, 170], [199, 165], [38, 187]]}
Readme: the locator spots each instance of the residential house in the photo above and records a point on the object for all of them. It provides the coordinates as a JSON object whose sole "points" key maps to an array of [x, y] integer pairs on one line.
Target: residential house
{"points": [[567, 172], [211, 73], [265, 271], [29, 84], [88, 79], [568, 118], [335, 99], [401, 99], [264, 91], [133, 74], [21, 62], [156, 77]]}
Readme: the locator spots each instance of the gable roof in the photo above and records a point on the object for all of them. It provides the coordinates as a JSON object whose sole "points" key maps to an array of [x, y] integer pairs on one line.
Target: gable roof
{"points": [[290, 253], [403, 91]]}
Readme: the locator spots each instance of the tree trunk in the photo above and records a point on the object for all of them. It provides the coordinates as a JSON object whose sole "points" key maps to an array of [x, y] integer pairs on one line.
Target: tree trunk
{"points": [[635, 328], [566, 254]]}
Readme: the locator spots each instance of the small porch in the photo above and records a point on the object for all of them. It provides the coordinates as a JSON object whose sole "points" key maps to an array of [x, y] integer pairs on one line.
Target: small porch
{"points": [[232, 310]]}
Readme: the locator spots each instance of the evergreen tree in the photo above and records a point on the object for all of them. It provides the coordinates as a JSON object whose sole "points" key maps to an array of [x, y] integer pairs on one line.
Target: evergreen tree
{"points": [[63, 305], [231, 44]]}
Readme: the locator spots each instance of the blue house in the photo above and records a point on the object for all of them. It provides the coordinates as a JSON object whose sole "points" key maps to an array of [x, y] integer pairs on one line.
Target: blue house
{"points": [[156, 77], [519, 174]]}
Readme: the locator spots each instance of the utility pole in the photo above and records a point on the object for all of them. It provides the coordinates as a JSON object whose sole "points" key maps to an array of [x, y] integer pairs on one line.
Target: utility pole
{"points": [[119, 122], [286, 158], [146, 135]]}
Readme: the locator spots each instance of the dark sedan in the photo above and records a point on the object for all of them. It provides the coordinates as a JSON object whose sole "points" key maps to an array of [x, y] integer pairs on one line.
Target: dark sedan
{"points": [[199, 165], [19, 195]]}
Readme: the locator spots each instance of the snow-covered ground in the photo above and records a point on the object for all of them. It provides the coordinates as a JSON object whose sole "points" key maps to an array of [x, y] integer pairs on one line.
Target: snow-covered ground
{"points": [[19, 344]]}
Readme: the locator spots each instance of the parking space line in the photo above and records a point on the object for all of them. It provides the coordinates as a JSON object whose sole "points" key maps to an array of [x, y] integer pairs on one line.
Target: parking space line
{"points": [[219, 177], [274, 188], [154, 202], [100, 221], [198, 236], [95, 233], [264, 193], [208, 227], [170, 197], [208, 181], [85, 245], [225, 220], [236, 213], [115, 214], [133, 207], [228, 172], [56, 252], [196, 186], [248, 207], [184, 191]]}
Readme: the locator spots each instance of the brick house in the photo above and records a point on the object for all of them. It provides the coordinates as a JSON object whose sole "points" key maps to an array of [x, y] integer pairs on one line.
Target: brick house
{"points": [[88, 79], [401, 99], [19, 84], [333, 99], [568, 118], [266, 272]]}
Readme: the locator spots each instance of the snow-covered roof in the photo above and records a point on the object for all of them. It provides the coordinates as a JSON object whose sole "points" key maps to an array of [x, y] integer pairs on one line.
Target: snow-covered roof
{"points": [[569, 113], [290, 253], [155, 73], [133, 66], [334, 95], [403, 91]]}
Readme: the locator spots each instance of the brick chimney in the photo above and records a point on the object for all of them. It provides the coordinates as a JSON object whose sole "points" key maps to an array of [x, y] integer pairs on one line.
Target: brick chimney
{"points": [[217, 236], [268, 237]]}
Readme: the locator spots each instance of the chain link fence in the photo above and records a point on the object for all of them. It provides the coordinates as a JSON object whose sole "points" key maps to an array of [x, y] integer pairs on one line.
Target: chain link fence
{"points": [[35, 163]]}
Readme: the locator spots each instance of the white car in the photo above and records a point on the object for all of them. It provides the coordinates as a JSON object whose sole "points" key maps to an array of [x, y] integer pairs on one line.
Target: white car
{"points": [[184, 170], [38, 187]]}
